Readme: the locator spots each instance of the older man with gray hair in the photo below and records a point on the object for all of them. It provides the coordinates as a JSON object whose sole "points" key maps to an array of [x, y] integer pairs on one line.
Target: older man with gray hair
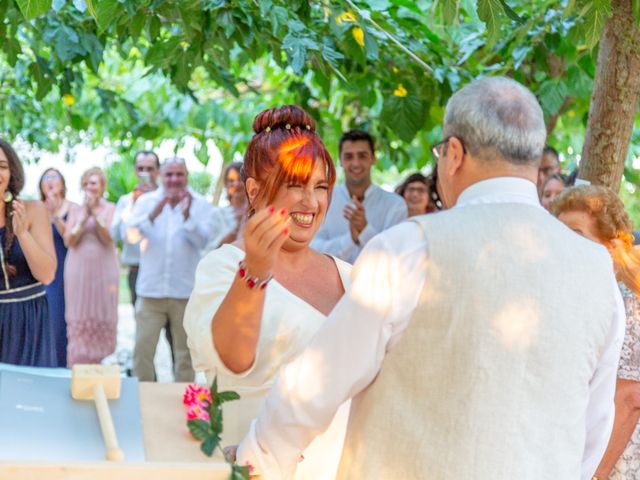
{"points": [[477, 343], [174, 225]]}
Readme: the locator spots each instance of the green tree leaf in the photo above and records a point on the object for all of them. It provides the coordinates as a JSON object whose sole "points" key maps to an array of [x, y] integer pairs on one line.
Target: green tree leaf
{"points": [[449, 10], [104, 12], [33, 8], [404, 115], [594, 18], [489, 12]]}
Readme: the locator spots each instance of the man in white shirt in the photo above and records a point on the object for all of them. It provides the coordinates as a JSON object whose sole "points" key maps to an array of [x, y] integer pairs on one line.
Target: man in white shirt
{"points": [[147, 166], [359, 209], [174, 226], [479, 342]]}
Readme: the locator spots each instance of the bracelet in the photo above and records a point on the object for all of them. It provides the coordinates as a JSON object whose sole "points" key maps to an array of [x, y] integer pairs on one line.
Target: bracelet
{"points": [[252, 281]]}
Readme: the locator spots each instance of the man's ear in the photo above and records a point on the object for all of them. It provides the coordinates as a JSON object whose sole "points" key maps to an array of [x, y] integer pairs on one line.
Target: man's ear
{"points": [[455, 156], [252, 188]]}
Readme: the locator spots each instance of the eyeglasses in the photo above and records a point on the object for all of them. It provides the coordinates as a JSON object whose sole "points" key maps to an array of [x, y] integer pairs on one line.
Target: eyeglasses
{"points": [[435, 149], [420, 190], [142, 168], [51, 176]]}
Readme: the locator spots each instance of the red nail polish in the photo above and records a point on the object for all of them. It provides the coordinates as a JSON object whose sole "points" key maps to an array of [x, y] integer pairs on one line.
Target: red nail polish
{"points": [[286, 231], [272, 209], [283, 212]]}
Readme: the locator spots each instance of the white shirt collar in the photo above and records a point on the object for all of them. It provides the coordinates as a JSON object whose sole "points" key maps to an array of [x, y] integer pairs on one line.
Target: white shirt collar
{"points": [[500, 190]]}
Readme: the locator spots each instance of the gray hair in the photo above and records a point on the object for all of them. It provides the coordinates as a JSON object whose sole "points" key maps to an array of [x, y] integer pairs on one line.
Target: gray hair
{"points": [[173, 161], [499, 114]]}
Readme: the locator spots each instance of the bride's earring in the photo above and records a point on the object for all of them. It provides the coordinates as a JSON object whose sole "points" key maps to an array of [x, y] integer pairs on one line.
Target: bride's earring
{"points": [[8, 196]]}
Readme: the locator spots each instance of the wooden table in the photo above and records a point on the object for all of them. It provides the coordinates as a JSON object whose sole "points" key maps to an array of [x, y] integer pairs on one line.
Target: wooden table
{"points": [[171, 453]]}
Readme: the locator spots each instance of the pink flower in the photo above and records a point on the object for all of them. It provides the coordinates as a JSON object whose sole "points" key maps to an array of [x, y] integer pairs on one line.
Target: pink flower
{"points": [[249, 466], [196, 411], [196, 394]]}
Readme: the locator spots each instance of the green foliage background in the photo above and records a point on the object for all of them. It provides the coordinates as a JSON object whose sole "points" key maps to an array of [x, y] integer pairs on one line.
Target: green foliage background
{"points": [[125, 72]]}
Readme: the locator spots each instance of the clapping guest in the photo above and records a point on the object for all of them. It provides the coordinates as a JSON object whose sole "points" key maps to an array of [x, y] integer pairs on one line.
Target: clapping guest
{"points": [[242, 325], [552, 187], [53, 192], [420, 194], [175, 225], [599, 215], [91, 275], [229, 221], [27, 260]]}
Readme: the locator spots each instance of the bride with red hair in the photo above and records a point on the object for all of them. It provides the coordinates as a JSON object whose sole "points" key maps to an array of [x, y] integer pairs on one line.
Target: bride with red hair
{"points": [[258, 302]]}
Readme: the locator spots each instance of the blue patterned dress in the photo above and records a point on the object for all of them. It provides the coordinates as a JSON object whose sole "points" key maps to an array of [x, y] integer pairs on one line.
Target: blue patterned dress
{"points": [[26, 331]]}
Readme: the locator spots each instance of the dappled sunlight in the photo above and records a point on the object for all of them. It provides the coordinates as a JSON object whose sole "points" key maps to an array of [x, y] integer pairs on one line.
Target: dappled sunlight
{"points": [[516, 325], [531, 245], [143, 245], [304, 379]]}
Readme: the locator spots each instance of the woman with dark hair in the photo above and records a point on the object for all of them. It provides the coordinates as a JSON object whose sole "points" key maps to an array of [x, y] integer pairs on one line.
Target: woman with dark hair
{"points": [[27, 261], [598, 214], [228, 222], [418, 192], [552, 187], [259, 301], [91, 275], [53, 192]]}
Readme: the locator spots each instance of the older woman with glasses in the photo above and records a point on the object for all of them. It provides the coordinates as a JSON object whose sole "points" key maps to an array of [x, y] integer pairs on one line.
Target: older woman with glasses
{"points": [[419, 192]]}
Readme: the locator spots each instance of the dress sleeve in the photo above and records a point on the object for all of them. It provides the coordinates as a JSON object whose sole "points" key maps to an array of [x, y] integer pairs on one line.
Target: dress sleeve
{"points": [[629, 368], [214, 276]]}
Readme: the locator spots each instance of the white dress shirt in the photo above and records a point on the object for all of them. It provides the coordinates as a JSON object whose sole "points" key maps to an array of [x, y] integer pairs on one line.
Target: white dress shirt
{"points": [[382, 210], [170, 246], [130, 254], [375, 311]]}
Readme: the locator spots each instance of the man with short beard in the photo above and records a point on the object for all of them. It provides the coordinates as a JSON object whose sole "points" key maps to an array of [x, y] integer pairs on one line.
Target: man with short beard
{"points": [[174, 224]]}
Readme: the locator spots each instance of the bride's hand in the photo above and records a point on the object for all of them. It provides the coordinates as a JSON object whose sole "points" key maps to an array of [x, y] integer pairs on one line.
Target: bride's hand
{"points": [[264, 234]]}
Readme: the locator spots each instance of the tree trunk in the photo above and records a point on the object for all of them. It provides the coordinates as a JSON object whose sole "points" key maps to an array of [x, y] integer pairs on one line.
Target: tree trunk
{"points": [[614, 101]]}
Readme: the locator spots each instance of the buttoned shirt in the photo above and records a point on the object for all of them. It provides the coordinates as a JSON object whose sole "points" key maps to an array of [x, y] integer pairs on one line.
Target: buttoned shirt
{"points": [[379, 306], [382, 210], [170, 246], [130, 254]]}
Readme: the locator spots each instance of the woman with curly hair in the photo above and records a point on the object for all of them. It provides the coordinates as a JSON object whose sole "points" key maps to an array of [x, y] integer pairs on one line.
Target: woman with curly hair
{"points": [[27, 261], [598, 214]]}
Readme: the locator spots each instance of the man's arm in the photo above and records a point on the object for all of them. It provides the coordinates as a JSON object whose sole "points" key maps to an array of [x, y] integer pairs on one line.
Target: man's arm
{"points": [[140, 225], [601, 410], [334, 368]]}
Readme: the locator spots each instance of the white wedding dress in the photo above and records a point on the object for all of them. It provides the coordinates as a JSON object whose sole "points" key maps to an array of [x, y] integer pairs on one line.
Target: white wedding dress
{"points": [[288, 324]]}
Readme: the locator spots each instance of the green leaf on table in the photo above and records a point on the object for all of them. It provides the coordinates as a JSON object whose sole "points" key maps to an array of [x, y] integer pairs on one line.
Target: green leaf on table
{"points": [[228, 396], [239, 472], [200, 429], [33, 8], [209, 445]]}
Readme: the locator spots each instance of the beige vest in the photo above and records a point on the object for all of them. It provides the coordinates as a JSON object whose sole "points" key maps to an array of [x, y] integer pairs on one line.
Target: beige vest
{"points": [[490, 380]]}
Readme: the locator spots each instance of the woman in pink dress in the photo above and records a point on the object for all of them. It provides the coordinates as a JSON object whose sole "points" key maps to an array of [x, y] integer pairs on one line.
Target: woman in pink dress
{"points": [[91, 275]]}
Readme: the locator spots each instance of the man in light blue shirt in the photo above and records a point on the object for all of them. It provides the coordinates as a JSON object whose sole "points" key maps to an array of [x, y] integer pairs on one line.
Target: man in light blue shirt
{"points": [[174, 226], [359, 209], [147, 165]]}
